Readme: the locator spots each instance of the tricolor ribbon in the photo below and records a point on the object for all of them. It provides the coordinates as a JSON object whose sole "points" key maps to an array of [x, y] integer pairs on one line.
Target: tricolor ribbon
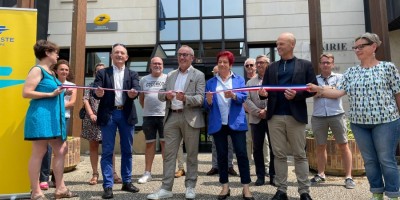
{"points": [[246, 89]]}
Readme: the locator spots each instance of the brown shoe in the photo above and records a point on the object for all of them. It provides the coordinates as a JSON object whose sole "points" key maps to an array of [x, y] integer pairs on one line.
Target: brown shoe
{"points": [[232, 171], [212, 171], [179, 173]]}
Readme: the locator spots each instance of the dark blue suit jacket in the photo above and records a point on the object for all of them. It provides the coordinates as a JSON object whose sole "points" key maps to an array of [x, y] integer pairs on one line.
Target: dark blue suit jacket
{"points": [[237, 116], [105, 79], [303, 74]]}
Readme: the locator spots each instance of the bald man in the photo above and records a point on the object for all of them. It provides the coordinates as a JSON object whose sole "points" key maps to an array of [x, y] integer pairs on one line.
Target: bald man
{"points": [[287, 115]]}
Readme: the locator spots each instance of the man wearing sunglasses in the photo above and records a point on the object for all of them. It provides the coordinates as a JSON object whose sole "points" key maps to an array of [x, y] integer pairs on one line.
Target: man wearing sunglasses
{"points": [[251, 72], [117, 110]]}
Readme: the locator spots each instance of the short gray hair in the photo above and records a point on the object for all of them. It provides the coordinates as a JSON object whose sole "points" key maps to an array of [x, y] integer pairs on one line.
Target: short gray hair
{"points": [[249, 59], [370, 37], [263, 56]]}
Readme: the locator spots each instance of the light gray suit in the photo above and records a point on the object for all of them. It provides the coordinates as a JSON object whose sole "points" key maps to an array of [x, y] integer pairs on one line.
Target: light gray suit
{"points": [[185, 124]]}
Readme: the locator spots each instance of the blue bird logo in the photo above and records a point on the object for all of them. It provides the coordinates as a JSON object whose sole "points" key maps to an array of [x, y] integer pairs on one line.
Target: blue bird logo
{"points": [[3, 28], [6, 71]]}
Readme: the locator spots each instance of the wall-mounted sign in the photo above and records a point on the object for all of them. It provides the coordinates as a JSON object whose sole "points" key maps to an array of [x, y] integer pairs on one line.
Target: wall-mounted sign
{"points": [[101, 19], [111, 26], [335, 46]]}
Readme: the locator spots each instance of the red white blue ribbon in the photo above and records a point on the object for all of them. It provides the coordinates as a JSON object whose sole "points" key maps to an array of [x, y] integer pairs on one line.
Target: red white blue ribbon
{"points": [[245, 89]]}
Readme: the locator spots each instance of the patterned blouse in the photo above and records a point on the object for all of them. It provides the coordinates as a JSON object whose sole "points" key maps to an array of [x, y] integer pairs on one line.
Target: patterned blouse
{"points": [[371, 93]]}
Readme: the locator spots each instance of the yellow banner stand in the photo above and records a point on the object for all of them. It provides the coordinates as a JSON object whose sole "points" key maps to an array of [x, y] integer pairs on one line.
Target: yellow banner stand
{"points": [[17, 37]]}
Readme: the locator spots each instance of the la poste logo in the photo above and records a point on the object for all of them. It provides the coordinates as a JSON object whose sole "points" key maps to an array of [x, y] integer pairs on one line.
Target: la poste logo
{"points": [[101, 19]]}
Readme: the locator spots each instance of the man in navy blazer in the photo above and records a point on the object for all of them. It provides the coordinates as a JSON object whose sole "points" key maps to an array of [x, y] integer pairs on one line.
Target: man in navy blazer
{"points": [[117, 110], [287, 115]]}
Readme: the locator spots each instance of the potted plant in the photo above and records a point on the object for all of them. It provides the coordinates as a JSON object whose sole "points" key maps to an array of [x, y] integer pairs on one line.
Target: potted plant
{"points": [[72, 158], [334, 156]]}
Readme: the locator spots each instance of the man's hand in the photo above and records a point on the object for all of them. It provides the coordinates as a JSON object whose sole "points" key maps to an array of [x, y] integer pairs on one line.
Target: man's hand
{"points": [[99, 92], [132, 93], [290, 94], [312, 87], [262, 92], [180, 96], [170, 95], [262, 114]]}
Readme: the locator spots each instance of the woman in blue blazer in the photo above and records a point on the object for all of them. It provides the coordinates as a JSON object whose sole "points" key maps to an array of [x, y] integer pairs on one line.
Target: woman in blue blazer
{"points": [[226, 116]]}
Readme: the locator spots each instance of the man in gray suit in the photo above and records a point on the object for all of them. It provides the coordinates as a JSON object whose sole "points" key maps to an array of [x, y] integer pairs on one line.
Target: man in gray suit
{"points": [[184, 96]]}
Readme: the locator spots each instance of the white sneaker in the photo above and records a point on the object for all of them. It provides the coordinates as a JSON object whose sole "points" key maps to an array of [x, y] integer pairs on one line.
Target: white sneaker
{"points": [[145, 178], [190, 194], [160, 194]]}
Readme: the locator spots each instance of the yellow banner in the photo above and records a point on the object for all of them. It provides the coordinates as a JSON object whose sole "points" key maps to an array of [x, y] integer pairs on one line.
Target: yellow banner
{"points": [[17, 37]]}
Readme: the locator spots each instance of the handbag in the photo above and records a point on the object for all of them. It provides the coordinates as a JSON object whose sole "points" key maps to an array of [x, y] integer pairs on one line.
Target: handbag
{"points": [[82, 112]]}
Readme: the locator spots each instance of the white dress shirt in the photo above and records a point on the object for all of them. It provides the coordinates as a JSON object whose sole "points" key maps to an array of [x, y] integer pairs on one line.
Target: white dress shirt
{"points": [[118, 84]]}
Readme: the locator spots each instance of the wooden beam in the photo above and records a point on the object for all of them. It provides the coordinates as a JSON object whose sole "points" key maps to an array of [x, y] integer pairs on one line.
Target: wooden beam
{"points": [[379, 25], [26, 3], [314, 17], [77, 60]]}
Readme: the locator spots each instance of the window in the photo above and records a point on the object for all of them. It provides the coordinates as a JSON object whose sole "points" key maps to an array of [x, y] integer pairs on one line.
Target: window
{"points": [[233, 7], [190, 30], [212, 25], [170, 32], [212, 29], [265, 49], [211, 8], [190, 8], [234, 28]]}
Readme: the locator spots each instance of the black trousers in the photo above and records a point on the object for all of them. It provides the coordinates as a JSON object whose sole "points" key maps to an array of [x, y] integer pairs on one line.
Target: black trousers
{"points": [[259, 132]]}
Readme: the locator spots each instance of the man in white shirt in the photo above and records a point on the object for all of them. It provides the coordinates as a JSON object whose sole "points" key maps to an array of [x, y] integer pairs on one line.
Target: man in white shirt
{"points": [[153, 113], [184, 95]]}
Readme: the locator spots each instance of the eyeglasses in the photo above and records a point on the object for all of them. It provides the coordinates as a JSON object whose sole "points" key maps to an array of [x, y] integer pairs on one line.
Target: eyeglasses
{"points": [[249, 65], [361, 46], [326, 63], [118, 44], [261, 62], [184, 55]]}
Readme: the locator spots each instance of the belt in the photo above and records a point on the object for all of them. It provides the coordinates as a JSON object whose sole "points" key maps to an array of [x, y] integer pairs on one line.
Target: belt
{"points": [[118, 107], [177, 111]]}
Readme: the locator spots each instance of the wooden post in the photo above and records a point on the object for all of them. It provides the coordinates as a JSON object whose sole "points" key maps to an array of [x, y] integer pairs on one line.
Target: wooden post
{"points": [[379, 25], [314, 17], [77, 60]]}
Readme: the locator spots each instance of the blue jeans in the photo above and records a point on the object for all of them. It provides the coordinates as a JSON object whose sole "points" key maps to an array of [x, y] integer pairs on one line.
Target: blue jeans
{"points": [[239, 145], [108, 132], [377, 143], [45, 168]]}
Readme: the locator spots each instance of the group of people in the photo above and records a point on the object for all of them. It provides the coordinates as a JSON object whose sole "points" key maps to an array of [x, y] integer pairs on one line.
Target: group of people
{"points": [[173, 106]]}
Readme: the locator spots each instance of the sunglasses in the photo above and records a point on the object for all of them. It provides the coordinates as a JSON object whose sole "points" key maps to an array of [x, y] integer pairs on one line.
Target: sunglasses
{"points": [[249, 65]]}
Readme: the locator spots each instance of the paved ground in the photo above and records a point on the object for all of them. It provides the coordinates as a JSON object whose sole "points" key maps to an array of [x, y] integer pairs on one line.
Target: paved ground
{"points": [[207, 186]]}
